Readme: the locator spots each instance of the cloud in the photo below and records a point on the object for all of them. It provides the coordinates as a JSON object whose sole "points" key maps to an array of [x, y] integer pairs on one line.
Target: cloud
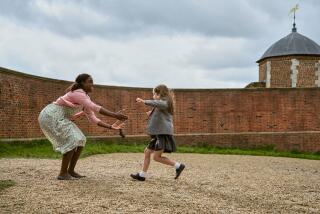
{"points": [[112, 18], [183, 43], [141, 62]]}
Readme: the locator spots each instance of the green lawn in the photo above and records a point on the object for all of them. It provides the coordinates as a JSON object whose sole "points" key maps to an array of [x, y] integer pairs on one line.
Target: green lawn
{"points": [[43, 149]]}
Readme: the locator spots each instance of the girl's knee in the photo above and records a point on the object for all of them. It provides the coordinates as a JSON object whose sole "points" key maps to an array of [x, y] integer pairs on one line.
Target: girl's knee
{"points": [[147, 153], [156, 157]]}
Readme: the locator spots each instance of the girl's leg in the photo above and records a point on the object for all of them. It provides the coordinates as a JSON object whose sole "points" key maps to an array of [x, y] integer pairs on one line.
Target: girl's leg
{"points": [[157, 157], [141, 176], [66, 158], [147, 159], [73, 162], [178, 166]]}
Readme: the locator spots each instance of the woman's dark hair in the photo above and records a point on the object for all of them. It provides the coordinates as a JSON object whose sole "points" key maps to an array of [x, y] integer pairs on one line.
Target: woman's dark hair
{"points": [[78, 82], [166, 94]]}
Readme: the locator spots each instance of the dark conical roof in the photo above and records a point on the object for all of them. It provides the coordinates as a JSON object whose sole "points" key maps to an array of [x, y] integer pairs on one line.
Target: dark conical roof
{"points": [[293, 44]]}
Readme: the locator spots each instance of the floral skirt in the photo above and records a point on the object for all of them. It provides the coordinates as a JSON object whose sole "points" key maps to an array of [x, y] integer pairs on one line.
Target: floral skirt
{"points": [[60, 131]]}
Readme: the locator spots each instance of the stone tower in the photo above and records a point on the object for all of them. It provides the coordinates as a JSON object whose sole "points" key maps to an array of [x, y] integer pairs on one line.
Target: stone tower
{"points": [[293, 61]]}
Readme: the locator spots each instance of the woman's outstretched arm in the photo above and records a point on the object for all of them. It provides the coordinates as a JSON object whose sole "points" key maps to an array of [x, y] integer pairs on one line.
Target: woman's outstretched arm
{"points": [[115, 126], [85, 101], [116, 115]]}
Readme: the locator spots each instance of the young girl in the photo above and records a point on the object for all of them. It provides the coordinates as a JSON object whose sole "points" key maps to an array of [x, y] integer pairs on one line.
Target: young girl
{"points": [[65, 136], [160, 128]]}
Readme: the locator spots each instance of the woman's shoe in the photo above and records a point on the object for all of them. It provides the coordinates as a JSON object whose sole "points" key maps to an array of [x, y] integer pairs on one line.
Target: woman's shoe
{"points": [[67, 177]]}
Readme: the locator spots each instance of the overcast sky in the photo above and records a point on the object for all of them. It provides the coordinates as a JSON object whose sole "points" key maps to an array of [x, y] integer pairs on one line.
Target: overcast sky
{"points": [[182, 43]]}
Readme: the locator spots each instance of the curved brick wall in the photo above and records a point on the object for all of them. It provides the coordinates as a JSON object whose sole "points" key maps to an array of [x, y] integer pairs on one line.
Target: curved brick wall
{"points": [[286, 118]]}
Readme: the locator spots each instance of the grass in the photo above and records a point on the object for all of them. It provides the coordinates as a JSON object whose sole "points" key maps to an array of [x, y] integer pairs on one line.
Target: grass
{"points": [[6, 184], [43, 149]]}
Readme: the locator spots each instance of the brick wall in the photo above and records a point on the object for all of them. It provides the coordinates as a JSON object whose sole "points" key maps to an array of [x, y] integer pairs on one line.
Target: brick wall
{"points": [[22, 97], [232, 112], [307, 72], [281, 70]]}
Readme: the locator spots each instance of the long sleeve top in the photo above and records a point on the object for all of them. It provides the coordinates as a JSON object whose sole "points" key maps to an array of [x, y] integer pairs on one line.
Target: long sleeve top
{"points": [[160, 121], [79, 99]]}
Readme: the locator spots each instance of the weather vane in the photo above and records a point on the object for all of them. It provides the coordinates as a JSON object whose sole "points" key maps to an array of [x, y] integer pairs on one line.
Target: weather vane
{"points": [[294, 10]]}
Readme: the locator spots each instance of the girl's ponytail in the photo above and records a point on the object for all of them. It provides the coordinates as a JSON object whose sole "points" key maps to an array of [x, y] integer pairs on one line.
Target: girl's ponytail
{"points": [[167, 95], [171, 102]]}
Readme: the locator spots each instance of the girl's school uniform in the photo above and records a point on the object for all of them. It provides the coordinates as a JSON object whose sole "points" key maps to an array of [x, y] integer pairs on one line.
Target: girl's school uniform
{"points": [[160, 127]]}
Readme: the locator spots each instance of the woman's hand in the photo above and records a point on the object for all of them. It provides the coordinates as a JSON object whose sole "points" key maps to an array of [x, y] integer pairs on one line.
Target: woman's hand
{"points": [[120, 116], [116, 115], [139, 100], [117, 125]]}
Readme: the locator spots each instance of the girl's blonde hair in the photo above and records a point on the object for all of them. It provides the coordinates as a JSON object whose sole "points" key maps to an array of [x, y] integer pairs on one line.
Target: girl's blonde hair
{"points": [[166, 94]]}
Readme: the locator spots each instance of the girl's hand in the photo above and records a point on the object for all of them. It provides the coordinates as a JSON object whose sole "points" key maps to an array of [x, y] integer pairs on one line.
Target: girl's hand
{"points": [[139, 100], [148, 113]]}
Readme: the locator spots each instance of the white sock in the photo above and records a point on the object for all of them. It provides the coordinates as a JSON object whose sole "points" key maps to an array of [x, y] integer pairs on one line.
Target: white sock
{"points": [[177, 165], [142, 174]]}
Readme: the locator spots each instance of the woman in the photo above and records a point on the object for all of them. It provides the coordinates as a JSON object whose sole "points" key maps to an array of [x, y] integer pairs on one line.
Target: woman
{"points": [[65, 136]]}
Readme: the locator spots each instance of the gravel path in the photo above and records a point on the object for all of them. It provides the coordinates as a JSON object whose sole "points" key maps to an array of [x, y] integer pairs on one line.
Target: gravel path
{"points": [[209, 184]]}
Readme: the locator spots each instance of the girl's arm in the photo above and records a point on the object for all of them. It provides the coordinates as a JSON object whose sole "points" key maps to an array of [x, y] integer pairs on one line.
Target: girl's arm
{"points": [[161, 104], [149, 113]]}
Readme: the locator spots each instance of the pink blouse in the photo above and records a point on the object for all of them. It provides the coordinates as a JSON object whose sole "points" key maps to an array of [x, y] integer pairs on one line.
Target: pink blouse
{"points": [[79, 98]]}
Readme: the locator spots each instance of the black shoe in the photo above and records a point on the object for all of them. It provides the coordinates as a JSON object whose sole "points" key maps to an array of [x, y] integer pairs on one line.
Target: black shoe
{"points": [[137, 177], [179, 170]]}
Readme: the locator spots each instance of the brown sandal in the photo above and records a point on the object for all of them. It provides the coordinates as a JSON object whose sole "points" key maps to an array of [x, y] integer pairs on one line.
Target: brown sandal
{"points": [[76, 175], [69, 177]]}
